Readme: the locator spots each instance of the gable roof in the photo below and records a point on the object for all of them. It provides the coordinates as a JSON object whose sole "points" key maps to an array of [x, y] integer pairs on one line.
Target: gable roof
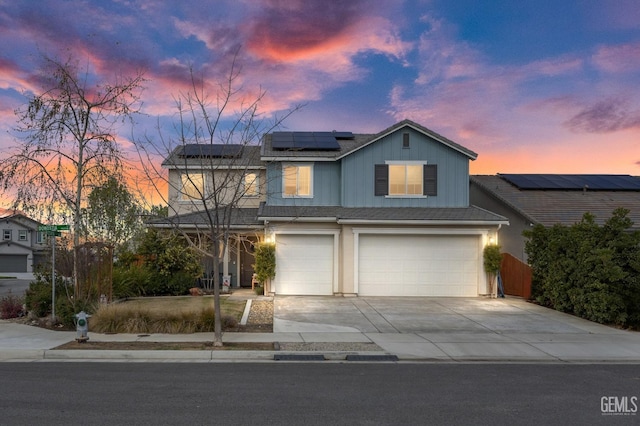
{"points": [[561, 205], [18, 217], [4, 213], [417, 127], [351, 145]]}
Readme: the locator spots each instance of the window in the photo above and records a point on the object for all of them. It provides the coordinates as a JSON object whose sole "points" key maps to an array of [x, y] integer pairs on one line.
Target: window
{"points": [[192, 186], [40, 237], [6, 234], [405, 140], [408, 179], [297, 180], [405, 179], [22, 235], [251, 185]]}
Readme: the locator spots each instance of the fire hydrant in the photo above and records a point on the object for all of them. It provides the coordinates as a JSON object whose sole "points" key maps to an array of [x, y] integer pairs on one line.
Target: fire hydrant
{"points": [[82, 326]]}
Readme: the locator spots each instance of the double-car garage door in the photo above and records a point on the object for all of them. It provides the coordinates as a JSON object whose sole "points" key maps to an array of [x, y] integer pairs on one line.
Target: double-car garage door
{"points": [[385, 264], [418, 265]]}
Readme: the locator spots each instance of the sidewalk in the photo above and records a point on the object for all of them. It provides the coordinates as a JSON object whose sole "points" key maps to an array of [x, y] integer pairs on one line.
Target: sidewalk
{"points": [[27, 343], [412, 329]]}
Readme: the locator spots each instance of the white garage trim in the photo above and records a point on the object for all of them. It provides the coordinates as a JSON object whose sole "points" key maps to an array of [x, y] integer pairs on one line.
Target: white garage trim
{"points": [[333, 234], [482, 234]]}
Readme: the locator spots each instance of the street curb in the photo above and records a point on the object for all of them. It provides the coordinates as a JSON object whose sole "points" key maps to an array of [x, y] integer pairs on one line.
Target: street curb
{"points": [[88, 355]]}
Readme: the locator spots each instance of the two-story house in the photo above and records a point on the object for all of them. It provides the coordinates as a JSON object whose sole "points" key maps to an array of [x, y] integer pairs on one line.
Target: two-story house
{"points": [[22, 246], [360, 214]]}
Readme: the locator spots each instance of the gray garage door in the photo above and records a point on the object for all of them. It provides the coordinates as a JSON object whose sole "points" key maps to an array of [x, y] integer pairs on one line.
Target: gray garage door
{"points": [[13, 263]]}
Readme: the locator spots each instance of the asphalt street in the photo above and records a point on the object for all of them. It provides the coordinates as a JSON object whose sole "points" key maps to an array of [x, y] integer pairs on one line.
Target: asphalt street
{"points": [[310, 394]]}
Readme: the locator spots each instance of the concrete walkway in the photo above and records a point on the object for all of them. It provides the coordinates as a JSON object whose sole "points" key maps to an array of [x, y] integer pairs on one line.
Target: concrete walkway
{"points": [[413, 329]]}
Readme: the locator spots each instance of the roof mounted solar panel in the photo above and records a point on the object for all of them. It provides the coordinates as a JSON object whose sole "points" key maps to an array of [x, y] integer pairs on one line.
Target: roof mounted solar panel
{"points": [[304, 141], [343, 135], [282, 140], [573, 182], [211, 151]]}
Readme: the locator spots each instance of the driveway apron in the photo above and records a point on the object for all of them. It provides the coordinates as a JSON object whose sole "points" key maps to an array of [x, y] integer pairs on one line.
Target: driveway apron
{"points": [[458, 328]]}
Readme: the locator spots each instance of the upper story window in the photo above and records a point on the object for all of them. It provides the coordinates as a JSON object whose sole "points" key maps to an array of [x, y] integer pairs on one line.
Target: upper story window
{"points": [[6, 234], [297, 180], [192, 186], [406, 179], [22, 235], [251, 185], [41, 237]]}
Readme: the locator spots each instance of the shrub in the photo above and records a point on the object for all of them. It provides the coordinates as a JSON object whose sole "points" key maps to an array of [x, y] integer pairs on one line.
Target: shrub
{"points": [[588, 270], [492, 259], [121, 318], [179, 283], [11, 306], [265, 265], [38, 298], [66, 310], [130, 281]]}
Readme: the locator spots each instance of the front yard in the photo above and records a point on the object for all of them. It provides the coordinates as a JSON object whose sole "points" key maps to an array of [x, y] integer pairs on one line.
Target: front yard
{"points": [[179, 314]]}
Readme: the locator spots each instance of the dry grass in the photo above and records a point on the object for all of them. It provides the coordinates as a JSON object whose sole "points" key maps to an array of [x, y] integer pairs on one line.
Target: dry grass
{"points": [[170, 315]]}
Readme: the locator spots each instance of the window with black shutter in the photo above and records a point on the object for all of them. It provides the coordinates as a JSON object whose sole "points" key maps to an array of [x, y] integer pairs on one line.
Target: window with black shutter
{"points": [[381, 179], [430, 179]]}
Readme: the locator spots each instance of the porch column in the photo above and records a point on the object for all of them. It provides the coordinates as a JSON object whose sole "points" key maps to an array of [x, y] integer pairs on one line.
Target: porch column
{"points": [[238, 262], [225, 260]]}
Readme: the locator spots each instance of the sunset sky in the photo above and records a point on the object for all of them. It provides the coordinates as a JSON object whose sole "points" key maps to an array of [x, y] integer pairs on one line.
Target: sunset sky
{"points": [[532, 86]]}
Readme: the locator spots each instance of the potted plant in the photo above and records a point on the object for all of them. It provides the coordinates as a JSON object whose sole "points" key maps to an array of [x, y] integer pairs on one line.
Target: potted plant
{"points": [[492, 260], [265, 266]]}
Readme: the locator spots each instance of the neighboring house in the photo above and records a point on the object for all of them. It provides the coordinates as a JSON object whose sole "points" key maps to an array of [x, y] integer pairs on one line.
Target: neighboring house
{"points": [[548, 199], [22, 246], [373, 215]]}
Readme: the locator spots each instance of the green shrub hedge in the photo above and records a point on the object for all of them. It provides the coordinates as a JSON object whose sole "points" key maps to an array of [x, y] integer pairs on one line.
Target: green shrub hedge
{"points": [[588, 270]]}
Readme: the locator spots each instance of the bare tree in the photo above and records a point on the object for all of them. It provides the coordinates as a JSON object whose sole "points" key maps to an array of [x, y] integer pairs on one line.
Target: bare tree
{"points": [[214, 154], [67, 142]]}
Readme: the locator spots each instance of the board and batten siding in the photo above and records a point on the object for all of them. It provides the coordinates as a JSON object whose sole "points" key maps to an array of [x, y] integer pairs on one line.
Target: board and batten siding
{"points": [[326, 185], [358, 172]]}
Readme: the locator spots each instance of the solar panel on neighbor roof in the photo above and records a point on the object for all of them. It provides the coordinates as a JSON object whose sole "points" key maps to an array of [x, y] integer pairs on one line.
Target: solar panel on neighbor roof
{"points": [[215, 150], [574, 182]]}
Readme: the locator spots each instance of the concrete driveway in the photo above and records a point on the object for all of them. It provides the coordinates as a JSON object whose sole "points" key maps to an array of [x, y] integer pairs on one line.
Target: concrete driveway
{"points": [[421, 315], [456, 328]]}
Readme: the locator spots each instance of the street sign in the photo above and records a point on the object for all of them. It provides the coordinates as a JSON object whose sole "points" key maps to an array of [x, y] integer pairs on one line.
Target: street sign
{"points": [[53, 231], [53, 228]]}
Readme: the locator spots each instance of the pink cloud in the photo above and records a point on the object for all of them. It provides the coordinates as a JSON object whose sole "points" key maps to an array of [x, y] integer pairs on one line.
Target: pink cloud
{"points": [[605, 116], [286, 31], [618, 59]]}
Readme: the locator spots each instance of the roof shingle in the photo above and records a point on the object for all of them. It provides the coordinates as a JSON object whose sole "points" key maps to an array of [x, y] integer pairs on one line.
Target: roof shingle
{"points": [[550, 207]]}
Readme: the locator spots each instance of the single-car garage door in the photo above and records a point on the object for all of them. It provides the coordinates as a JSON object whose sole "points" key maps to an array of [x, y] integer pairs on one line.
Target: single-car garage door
{"points": [[418, 265], [13, 263], [304, 264]]}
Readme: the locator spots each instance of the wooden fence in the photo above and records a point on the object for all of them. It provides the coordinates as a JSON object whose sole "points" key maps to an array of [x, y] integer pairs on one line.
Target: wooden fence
{"points": [[516, 276]]}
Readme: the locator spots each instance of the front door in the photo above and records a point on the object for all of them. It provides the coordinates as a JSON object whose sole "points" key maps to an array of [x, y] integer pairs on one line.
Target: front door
{"points": [[247, 259]]}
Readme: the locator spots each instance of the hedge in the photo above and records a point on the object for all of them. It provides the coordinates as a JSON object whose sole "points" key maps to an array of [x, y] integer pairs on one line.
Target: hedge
{"points": [[589, 270]]}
